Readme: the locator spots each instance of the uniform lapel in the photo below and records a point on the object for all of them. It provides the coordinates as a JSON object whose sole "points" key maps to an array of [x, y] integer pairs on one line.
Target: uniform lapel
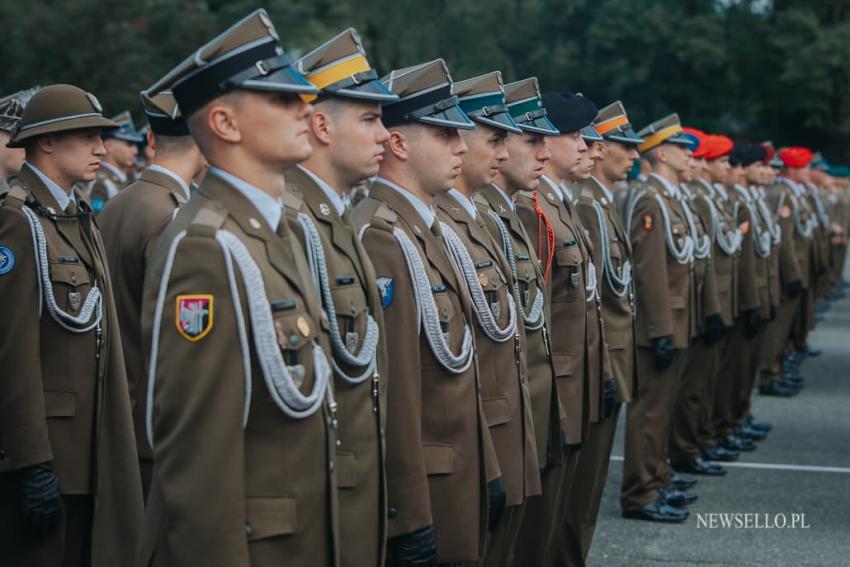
{"points": [[160, 179], [474, 229]]}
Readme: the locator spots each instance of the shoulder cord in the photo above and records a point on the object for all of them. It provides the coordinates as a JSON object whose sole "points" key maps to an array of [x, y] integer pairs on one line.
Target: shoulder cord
{"points": [[466, 266], [823, 216], [619, 279], [318, 266], [685, 255], [277, 377], [533, 319], [729, 241], [806, 229], [93, 305], [761, 237], [428, 318], [703, 249], [544, 224], [772, 227]]}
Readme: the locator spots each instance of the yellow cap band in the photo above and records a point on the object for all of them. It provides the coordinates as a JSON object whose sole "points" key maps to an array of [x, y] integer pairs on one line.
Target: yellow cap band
{"points": [[611, 124], [336, 73], [658, 138]]}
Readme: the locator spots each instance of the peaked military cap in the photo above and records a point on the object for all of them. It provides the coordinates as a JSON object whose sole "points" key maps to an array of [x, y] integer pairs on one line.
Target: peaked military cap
{"points": [[58, 108], [164, 114], [572, 113], [482, 98], [126, 129], [339, 67], [425, 95], [667, 130], [613, 124], [526, 107], [246, 56]]}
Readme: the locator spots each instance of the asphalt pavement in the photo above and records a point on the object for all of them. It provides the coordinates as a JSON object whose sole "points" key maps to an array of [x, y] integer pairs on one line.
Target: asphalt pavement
{"points": [[803, 468]]}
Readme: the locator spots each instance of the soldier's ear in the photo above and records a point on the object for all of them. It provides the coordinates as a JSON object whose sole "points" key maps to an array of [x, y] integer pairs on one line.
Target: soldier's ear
{"points": [[398, 145], [321, 126], [222, 123]]}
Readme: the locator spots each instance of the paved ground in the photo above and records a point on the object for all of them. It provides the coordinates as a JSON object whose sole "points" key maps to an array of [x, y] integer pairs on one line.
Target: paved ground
{"points": [[810, 430]]}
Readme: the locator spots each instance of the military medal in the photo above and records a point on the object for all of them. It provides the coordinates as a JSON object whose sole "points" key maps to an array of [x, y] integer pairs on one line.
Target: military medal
{"points": [[324, 209], [74, 300]]}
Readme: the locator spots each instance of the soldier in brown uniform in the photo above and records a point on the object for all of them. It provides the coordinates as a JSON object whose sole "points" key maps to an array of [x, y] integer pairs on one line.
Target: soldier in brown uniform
{"points": [[701, 366], [240, 402], [522, 171], [576, 306], [500, 340], [663, 255], [117, 165], [132, 223], [70, 492], [347, 138], [439, 450], [602, 219]]}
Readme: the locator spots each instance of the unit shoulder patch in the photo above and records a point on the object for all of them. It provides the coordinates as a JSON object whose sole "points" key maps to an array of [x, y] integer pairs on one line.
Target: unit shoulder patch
{"points": [[785, 211], [7, 260], [387, 290], [648, 222], [194, 316]]}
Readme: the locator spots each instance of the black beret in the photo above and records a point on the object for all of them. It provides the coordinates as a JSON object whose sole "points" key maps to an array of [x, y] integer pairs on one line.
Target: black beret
{"points": [[747, 154], [569, 112]]}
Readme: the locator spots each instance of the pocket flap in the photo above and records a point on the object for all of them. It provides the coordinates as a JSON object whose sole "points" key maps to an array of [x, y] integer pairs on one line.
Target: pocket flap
{"points": [[269, 517], [71, 274], [496, 411], [568, 256], [677, 302], [346, 469], [439, 458], [563, 363], [60, 404], [617, 340]]}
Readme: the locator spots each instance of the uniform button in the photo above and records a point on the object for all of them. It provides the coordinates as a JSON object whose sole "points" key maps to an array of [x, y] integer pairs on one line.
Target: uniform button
{"points": [[392, 513], [248, 530], [332, 466], [338, 443], [2, 454]]}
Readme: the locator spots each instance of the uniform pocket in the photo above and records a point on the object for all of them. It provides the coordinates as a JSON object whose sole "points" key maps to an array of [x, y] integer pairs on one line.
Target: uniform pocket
{"points": [[60, 404], [563, 363], [439, 458], [677, 302], [571, 285], [496, 411], [270, 517], [71, 285]]}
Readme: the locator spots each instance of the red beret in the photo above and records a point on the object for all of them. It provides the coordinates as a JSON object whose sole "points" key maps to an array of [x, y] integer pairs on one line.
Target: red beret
{"points": [[716, 146], [700, 136], [796, 156]]}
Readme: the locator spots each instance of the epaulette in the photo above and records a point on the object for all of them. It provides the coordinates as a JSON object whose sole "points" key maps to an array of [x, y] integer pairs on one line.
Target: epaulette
{"points": [[386, 214], [207, 221], [292, 204]]}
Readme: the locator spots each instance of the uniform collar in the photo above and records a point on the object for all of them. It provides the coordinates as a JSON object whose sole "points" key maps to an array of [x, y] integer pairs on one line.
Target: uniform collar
{"points": [[605, 190], [508, 201], [425, 211], [464, 201], [179, 180], [62, 198], [669, 187], [333, 196], [122, 177], [269, 207]]}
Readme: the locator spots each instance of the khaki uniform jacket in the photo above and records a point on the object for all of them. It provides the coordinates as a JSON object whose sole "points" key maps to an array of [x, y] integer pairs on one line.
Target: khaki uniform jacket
{"points": [[105, 186], [578, 342], [360, 436], [717, 214], [131, 225], [815, 196], [664, 288], [504, 376], [705, 279], [64, 395], [236, 481], [618, 312], [546, 408], [439, 451], [769, 219], [753, 270], [781, 202]]}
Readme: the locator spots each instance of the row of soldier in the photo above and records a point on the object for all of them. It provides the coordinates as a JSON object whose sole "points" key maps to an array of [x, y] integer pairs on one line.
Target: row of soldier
{"points": [[425, 370]]}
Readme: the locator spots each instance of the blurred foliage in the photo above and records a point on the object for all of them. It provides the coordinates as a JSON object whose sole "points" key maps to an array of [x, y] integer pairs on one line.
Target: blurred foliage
{"points": [[754, 69]]}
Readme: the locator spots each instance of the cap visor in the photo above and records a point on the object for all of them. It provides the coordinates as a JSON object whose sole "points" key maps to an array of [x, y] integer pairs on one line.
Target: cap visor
{"points": [[590, 134], [126, 136], [373, 90], [286, 80], [681, 139], [452, 117], [626, 136], [541, 125], [83, 123], [500, 121]]}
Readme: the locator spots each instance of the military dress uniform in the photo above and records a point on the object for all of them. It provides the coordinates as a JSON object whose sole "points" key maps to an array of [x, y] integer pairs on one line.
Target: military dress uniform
{"points": [[347, 288], [63, 388], [241, 414], [110, 179], [132, 224], [499, 332], [604, 225], [663, 253], [439, 450]]}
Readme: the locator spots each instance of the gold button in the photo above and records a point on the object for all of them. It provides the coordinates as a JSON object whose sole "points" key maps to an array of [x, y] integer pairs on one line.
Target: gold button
{"points": [[303, 326]]}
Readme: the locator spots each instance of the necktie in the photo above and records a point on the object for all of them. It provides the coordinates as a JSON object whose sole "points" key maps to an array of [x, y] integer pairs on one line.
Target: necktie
{"points": [[71, 209]]}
